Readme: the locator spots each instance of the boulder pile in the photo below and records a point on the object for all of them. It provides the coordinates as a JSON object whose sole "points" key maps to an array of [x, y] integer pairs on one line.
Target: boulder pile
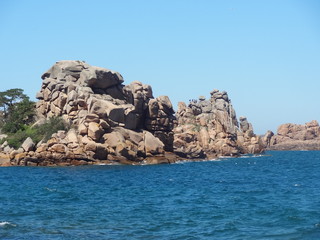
{"points": [[111, 122], [294, 137], [116, 123], [209, 128]]}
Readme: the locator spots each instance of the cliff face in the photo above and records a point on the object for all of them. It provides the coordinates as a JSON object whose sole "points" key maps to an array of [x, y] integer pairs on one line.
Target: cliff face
{"points": [[294, 137], [112, 122], [209, 128]]}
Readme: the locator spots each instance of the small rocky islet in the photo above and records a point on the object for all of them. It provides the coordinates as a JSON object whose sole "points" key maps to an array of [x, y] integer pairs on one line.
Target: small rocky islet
{"points": [[113, 123], [292, 136]]}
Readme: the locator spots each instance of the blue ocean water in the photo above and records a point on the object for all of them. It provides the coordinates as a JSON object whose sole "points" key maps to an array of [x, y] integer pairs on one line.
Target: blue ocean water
{"points": [[274, 196]]}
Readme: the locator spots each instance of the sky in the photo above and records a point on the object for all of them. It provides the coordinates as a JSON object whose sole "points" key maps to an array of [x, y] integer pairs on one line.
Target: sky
{"points": [[265, 54]]}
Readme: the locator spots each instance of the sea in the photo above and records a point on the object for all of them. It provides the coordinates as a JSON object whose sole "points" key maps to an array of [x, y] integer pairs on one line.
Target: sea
{"points": [[271, 196]]}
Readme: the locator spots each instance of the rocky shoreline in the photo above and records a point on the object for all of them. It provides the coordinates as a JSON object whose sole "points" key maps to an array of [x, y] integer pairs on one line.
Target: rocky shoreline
{"points": [[124, 124], [294, 137]]}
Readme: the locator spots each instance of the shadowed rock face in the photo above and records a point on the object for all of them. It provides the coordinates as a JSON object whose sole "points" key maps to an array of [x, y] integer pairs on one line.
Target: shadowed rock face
{"points": [[295, 137], [209, 128]]}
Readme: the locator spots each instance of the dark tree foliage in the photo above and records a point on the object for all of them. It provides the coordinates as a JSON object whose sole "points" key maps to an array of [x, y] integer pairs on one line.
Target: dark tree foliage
{"points": [[17, 116], [9, 98], [17, 110]]}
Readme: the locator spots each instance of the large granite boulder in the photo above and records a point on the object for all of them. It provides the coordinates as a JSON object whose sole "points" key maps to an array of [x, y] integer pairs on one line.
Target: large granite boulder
{"points": [[28, 145]]}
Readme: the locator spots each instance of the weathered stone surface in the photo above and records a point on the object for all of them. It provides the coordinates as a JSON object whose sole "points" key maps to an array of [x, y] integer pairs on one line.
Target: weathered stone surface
{"points": [[4, 161], [153, 145], [106, 110], [64, 68], [126, 124], [15, 152], [113, 139], [71, 136], [210, 128], [294, 137], [95, 132], [72, 89], [160, 115], [165, 104], [28, 145], [101, 152], [83, 130], [267, 138], [91, 118], [58, 148], [102, 78]]}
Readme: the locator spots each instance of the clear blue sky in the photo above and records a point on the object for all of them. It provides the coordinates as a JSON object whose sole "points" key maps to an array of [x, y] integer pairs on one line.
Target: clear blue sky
{"points": [[265, 54]]}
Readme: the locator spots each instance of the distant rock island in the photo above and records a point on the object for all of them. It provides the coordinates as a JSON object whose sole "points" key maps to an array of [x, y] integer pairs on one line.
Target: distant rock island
{"points": [[294, 137], [116, 123]]}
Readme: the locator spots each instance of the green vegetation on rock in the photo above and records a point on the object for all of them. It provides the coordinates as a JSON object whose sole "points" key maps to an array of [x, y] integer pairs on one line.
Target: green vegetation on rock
{"points": [[18, 117], [37, 132]]}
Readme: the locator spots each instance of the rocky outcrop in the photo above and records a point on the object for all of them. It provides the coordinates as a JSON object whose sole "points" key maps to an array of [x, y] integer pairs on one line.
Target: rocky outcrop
{"points": [[294, 137], [116, 123], [111, 122], [209, 128], [247, 140]]}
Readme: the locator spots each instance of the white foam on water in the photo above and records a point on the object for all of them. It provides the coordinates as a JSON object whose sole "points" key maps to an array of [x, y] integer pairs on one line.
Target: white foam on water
{"points": [[180, 162], [196, 160], [3, 224], [143, 163], [252, 156], [214, 160], [50, 189]]}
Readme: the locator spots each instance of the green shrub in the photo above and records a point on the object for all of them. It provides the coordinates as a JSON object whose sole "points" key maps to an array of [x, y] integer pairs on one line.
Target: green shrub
{"points": [[38, 132], [15, 140], [51, 126], [17, 115]]}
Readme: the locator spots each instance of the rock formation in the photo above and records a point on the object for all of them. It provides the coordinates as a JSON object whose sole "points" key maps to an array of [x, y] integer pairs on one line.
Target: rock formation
{"points": [[209, 128], [116, 123], [295, 137], [111, 121]]}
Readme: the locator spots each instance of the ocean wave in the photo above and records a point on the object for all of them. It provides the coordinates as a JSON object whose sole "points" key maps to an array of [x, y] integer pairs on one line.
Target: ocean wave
{"points": [[108, 164], [180, 162], [5, 224], [253, 156], [214, 160], [50, 189], [197, 160]]}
